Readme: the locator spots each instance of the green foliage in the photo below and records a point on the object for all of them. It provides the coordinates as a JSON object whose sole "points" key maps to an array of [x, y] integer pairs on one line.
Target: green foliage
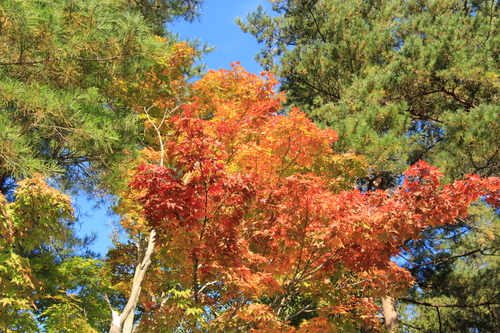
{"points": [[58, 61], [87, 283], [399, 80], [61, 120], [38, 216], [457, 286], [42, 279], [66, 317], [158, 13]]}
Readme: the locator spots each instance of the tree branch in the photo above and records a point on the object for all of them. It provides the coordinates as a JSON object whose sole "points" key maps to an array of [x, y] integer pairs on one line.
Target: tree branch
{"points": [[304, 309], [33, 62], [415, 327], [488, 302], [434, 262]]}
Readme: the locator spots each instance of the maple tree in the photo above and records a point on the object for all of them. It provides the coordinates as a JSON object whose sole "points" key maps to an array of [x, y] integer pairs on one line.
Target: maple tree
{"points": [[256, 223], [39, 215], [402, 81], [158, 96]]}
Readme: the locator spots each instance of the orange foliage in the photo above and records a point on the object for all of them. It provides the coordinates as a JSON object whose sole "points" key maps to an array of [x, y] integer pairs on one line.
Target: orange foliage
{"points": [[158, 93], [259, 221]]}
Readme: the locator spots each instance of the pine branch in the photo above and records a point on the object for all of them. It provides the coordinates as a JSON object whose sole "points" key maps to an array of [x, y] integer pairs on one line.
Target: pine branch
{"points": [[476, 305], [438, 261], [48, 60]]}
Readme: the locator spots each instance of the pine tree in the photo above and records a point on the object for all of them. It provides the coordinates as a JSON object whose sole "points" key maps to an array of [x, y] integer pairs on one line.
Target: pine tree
{"points": [[58, 62]]}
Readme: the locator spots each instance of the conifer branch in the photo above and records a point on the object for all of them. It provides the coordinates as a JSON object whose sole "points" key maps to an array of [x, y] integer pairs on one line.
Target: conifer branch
{"points": [[48, 60]]}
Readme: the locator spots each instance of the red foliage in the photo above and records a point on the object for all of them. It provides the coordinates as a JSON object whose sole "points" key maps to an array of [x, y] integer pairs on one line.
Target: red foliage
{"points": [[253, 200]]}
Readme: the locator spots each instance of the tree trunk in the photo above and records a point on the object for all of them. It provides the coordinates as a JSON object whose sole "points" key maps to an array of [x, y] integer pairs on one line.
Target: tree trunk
{"points": [[126, 318], [390, 313], [128, 324]]}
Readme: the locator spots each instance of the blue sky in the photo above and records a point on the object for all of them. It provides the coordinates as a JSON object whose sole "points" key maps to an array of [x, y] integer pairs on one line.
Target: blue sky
{"points": [[216, 27]]}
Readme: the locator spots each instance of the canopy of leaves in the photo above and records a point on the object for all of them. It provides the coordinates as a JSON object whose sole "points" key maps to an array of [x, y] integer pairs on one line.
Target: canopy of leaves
{"points": [[456, 269], [58, 62], [39, 272], [259, 225], [402, 81], [399, 80], [68, 70]]}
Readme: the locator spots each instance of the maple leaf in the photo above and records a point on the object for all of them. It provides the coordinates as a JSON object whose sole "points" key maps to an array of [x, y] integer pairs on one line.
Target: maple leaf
{"points": [[254, 212]]}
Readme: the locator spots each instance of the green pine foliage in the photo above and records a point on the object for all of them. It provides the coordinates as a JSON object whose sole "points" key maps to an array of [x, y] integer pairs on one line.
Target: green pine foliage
{"points": [[58, 61], [399, 80], [456, 270]]}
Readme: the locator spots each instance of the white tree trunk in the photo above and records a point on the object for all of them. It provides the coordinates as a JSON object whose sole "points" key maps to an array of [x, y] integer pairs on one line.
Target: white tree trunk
{"points": [[124, 322]]}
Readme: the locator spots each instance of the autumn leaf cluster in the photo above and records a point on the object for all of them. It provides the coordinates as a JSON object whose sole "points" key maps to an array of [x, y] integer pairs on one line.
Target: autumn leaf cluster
{"points": [[260, 221]]}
